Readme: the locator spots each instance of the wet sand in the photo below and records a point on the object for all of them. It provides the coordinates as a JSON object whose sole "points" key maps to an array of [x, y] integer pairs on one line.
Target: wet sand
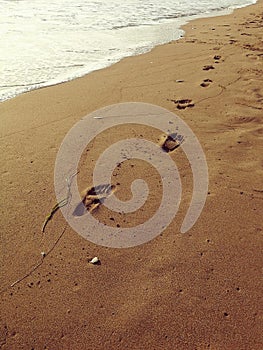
{"points": [[198, 290]]}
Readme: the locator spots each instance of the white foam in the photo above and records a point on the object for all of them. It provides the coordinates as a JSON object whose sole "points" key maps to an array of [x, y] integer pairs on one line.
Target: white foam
{"points": [[45, 42]]}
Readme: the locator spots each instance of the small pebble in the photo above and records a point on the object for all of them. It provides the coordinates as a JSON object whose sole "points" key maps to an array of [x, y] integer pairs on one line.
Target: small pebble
{"points": [[43, 254], [95, 260]]}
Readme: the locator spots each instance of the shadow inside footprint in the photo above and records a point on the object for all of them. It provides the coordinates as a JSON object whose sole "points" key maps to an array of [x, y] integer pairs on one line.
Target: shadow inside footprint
{"points": [[170, 142], [208, 67], [93, 197], [183, 103], [206, 82]]}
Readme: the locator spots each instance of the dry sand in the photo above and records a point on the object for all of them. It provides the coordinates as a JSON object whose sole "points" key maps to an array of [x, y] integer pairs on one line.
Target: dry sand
{"points": [[198, 290]]}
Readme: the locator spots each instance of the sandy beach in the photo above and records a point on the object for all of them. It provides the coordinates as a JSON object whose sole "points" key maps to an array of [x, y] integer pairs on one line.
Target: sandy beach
{"points": [[197, 290]]}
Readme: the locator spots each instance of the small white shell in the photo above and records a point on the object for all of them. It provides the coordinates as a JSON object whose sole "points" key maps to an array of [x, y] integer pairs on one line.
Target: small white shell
{"points": [[95, 260], [43, 254]]}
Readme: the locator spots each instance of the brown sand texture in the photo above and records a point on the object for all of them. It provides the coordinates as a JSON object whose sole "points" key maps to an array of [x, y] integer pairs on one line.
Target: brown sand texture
{"points": [[197, 290]]}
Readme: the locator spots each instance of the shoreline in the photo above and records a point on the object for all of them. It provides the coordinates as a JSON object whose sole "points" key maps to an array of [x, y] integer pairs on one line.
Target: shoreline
{"points": [[196, 290], [186, 21]]}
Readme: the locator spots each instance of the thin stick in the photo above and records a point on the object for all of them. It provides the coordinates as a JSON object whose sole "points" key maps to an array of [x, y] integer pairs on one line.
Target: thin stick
{"points": [[40, 263], [60, 204]]}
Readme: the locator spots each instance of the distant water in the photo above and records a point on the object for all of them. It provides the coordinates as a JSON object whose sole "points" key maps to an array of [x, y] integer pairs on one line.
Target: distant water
{"points": [[44, 42]]}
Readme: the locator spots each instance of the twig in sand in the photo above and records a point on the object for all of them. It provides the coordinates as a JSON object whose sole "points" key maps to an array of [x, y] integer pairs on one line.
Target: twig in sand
{"points": [[39, 263], [60, 204], [53, 210]]}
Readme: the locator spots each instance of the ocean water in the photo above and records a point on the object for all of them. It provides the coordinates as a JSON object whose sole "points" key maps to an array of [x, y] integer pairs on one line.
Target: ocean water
{"points": [[44, 42]]}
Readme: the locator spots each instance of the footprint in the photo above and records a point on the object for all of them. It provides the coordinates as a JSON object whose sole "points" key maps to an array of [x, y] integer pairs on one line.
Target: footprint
{"points": [[93, 197], [252, 56], [206, 82], [232, 41], [170, 142], [208, 67], [252, 47], [184, 103], [217, 57]]}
